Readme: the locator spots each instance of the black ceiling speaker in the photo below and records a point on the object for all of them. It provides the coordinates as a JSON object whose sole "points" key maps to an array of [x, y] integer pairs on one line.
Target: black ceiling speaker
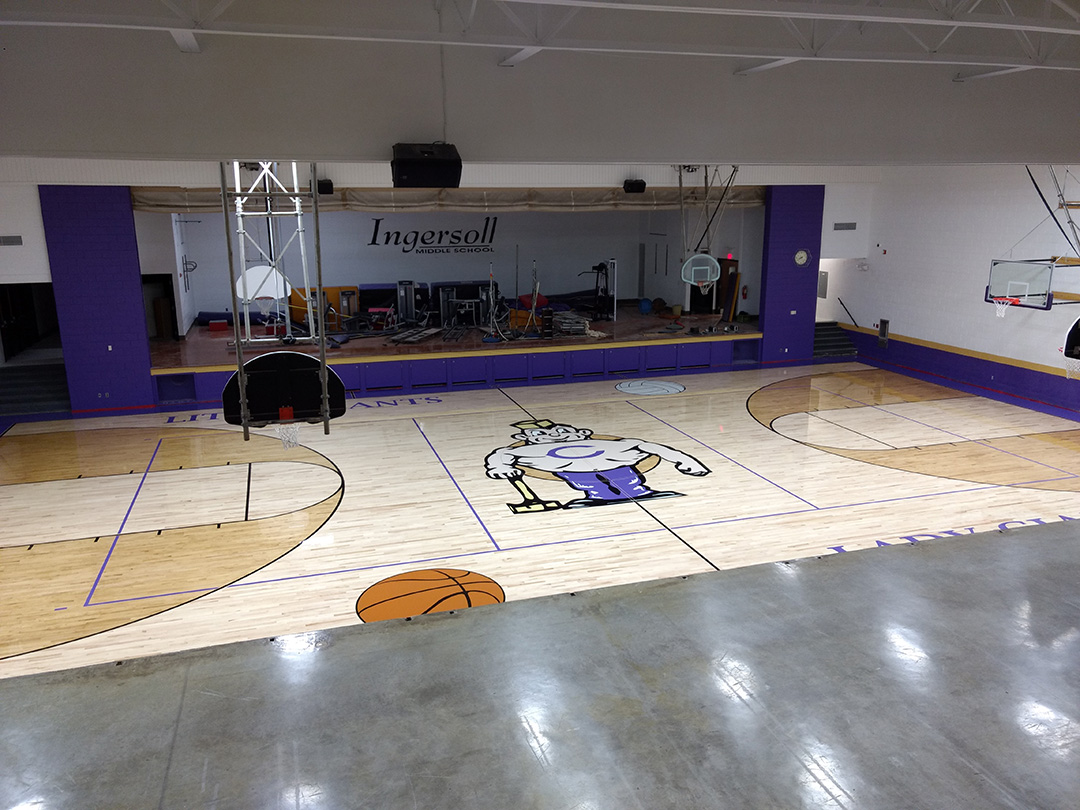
{"points": [[426, 165], [633, 186], [325, 186]]}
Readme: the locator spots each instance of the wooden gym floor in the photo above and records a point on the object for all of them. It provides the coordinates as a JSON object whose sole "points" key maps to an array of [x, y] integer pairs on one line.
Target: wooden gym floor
{"points": [[140, 535]]}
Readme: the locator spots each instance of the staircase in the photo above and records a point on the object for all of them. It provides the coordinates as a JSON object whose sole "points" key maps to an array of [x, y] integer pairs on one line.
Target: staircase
{"points": [[33, 389], [832, 341]]}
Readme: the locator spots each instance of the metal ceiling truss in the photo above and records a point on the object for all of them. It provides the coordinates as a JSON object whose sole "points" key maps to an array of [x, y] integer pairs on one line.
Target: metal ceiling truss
{"points": [[982, 38]]}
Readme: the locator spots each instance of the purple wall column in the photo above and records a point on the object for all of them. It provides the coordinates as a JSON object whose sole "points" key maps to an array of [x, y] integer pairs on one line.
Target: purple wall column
{"points": [[792, 223], [94, 260]]}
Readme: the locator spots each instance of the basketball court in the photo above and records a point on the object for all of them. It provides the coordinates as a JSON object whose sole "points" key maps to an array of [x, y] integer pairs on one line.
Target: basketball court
{"points": [[139, 535]]}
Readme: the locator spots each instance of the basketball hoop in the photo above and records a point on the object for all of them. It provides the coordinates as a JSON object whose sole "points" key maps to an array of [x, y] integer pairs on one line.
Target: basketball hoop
{"points": [[264, 303], [1002, 305], [1072, 365], [701, 269], [289, 433]]}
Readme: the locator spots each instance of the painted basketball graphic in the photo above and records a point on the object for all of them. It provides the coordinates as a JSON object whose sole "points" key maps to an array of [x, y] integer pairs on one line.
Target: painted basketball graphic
{"points": [[889, 420], [153, 518], [433, 590]]}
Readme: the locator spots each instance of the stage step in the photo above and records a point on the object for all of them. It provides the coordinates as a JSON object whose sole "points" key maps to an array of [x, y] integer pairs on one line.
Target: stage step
{"points": [[33, 389], [832, 341]]}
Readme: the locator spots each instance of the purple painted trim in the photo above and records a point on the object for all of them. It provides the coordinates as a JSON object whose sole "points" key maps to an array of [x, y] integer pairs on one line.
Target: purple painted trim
{"points": [[123, 523], [456, 485], [722, 455]]}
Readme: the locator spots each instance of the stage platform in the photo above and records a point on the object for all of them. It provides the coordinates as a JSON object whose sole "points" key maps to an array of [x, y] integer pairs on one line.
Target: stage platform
{"points": [[195, 369]]}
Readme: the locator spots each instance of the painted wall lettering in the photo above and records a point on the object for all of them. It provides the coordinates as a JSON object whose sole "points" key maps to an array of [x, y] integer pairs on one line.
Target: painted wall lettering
{"points": [[459, 240]]}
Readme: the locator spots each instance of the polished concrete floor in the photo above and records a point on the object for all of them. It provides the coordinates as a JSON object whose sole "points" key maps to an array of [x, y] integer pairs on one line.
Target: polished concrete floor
{"points": [[944, 674]]}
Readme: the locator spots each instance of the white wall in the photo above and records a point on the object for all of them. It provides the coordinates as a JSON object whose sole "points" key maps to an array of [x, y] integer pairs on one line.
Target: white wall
{"points": [[847, 203], [843, 277], [934, 233], [20, 215], [154, 237]]}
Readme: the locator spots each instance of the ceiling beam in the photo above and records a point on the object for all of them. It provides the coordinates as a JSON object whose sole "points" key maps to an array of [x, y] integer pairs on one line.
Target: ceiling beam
{"points": [[185, 40], [810, 11], [520, 56], [988, 74], [518, 43], [767, 66]]}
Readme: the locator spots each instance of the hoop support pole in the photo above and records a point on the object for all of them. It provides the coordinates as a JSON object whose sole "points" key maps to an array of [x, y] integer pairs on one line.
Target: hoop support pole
{"points": [[319, 287], [241, 378]]}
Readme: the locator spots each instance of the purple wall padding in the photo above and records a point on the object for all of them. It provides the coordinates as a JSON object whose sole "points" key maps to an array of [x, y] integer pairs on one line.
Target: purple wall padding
{"points": [[94, 260], [792, 223], [433, 375], [1019, 386]]}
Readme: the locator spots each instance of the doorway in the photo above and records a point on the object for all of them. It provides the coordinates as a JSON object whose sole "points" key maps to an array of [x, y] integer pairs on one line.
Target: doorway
{"points": [[159, 304], [32, 374]]}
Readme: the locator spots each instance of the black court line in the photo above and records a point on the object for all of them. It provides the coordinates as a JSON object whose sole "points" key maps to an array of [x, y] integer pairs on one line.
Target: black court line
{"points": [[247, 494], [816, 415], [517, 404], [636, 502]]}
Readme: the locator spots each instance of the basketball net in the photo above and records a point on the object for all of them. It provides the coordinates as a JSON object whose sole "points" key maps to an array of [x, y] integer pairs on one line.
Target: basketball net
{"points": [[287, 430], [1002, 305], [265, 305], [289, 433], [704, 287], [1072, 365]]}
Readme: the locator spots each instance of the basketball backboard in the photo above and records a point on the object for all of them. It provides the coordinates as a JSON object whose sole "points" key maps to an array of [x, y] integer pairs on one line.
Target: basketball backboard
{"points": [[262, 281], [282, 387], [1026, 281], [701, 268]]}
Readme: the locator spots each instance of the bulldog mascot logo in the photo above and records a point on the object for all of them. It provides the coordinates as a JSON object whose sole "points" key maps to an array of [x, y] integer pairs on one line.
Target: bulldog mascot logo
{"points": [[607, 469]]}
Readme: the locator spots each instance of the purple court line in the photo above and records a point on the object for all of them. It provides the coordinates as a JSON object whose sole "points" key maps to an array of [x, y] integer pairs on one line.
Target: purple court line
{"points": [[847, 505], [123, 523], [556, 543], [153, 596], [983, 442], [579, 539], [446, 557], [456, 485], [385, 565], [722, 455]]}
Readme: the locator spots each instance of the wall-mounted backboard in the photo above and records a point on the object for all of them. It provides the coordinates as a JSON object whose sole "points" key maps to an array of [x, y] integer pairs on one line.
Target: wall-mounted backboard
{"points": [[1025, 281]]}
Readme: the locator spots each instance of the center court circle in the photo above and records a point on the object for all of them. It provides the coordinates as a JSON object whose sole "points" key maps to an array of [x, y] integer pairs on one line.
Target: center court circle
{"points": [[649, 387]]}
